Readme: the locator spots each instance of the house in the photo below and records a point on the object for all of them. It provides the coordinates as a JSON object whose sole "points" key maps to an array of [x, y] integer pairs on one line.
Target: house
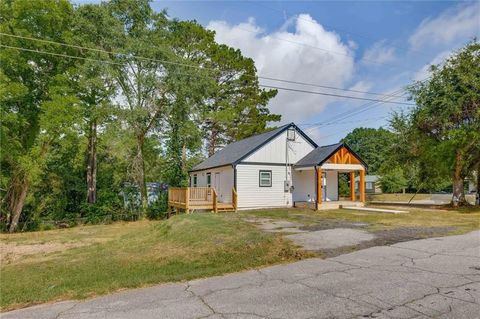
{"points": [[372, 184], [283, 167]]}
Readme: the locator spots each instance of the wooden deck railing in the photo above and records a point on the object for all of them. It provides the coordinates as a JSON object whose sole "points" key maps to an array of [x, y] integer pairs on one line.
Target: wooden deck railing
{"points": [[198, 198], [200, 193]]}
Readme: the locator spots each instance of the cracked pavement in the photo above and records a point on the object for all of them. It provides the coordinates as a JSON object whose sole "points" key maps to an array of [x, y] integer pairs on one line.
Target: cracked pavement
{"points": [[429, 278]]}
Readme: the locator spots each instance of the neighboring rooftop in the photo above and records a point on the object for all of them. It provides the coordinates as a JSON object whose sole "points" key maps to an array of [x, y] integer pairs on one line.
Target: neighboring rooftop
{"points": [[369, 178]]}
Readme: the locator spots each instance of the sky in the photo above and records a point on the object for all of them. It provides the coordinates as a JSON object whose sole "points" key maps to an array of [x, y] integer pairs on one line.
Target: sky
{"points": [[370, 46]]}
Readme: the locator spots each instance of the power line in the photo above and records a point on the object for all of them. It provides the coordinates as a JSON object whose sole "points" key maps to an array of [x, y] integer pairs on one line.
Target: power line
{"points": [[362, 108], [341, 29], [323, 86], [322, 49], [334, 95], [261, 85], [177, 63]]}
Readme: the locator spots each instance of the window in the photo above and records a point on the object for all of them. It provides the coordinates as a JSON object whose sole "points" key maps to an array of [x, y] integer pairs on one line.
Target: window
{"points": [[209, 179], [369, 185], [265, 178], [291, 134], [194, 180]]}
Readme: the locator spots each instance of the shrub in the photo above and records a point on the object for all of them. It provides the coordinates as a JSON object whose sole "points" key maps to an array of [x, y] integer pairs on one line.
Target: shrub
{"points": [[158, 209]]}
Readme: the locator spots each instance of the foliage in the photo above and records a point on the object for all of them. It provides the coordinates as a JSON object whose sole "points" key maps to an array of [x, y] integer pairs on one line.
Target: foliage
{"points": [[133, 107], [95, 260], [440, 137], [372, 145], [393, 181], [159, 209]]}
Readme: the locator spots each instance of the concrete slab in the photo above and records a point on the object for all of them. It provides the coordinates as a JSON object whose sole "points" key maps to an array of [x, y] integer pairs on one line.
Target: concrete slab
{"points": [[430, 278], [330, 238], [377, 210]]}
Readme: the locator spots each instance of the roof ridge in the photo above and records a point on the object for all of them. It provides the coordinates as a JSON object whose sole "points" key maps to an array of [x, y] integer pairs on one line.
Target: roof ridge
{"points": [[331, 144]]}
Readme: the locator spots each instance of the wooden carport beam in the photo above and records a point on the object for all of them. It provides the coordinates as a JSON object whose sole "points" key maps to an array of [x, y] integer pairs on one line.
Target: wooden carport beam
{"points": [[319, 186], [362, 186], [352, 186]]}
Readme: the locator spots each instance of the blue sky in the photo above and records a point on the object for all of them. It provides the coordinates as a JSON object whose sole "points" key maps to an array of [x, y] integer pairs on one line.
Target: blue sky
{"points": [[368, 46]]}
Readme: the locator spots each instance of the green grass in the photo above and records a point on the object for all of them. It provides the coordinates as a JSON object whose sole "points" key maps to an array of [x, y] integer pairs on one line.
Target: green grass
{"points": [[126, 255], [462, 220], [85, 261]]}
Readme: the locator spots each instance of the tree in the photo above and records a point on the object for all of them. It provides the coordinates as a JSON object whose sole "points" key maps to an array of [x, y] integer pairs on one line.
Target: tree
{"points": [[393, 181], [95, 28], [140, 74], [446, 119], [372, 145], [36, 104]]}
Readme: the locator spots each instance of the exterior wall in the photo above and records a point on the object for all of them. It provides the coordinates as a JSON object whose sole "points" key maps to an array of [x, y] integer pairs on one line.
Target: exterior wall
{"points": [[332, 186], [274, 151], [251, 195], [304, 183], [222, 182]]}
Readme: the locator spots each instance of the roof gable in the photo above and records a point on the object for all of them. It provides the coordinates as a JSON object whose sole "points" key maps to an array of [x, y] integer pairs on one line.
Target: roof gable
{"points": [[339, 153], [237, 151]]}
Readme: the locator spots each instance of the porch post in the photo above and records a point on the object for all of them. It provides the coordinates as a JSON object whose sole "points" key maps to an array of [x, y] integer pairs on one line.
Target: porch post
{"points": [[352, 186], [362, 186], [319, 186]]}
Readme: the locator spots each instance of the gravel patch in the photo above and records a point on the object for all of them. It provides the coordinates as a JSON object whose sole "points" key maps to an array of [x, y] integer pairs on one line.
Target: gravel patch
{"points": [[331, 238]]}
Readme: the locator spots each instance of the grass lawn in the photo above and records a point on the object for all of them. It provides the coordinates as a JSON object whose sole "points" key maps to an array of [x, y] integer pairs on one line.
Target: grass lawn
{"points": [[85, 261], [460, 221]]}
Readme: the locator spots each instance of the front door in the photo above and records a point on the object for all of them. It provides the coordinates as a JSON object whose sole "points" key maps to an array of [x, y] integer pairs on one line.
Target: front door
{"points": [[217, 185]]}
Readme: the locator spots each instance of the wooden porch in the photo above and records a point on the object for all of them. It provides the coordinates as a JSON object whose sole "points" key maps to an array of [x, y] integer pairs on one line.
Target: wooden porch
{"points": [[199, 198]]}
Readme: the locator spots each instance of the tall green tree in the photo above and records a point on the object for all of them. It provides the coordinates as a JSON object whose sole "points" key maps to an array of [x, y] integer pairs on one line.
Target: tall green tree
{"points": [[444, 126], [372, 145], [36, 103], [236, 107], [95, 28], [140, 75]]}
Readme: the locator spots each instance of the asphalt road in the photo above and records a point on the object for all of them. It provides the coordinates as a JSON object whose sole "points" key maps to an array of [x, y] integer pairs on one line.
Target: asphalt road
{"points": [[430, 278]]}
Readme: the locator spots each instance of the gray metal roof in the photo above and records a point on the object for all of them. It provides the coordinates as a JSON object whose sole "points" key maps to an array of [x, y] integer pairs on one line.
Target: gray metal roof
{"points": [[369, 178], [238, 150], [318, 155]]}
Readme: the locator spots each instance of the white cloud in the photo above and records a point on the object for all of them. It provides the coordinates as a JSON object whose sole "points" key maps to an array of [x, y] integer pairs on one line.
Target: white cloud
{"points": [[459, 23], [379, 52], [423, 73], [286, 59]]}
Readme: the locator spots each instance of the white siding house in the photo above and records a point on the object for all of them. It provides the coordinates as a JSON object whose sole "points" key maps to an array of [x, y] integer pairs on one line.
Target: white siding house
{"points": [[276, 169]]}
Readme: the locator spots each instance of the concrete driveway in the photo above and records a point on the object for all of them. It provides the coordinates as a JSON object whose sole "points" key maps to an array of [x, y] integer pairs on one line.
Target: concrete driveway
{"points": [[430, 278]]}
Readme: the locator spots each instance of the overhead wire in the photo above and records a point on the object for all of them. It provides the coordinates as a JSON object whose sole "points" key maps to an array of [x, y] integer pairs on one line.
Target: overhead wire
{"points": [[185, 64], [261, 85]]}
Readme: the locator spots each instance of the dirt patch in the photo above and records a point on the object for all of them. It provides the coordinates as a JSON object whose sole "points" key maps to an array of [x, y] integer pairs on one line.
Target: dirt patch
{"points": [[330, 224], [331, 238], [390, 237], [11, 251]]}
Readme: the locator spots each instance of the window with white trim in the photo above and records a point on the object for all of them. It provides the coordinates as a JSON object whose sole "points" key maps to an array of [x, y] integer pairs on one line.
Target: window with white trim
{"points": [[265, 178], [369, 185], [194, 180]]}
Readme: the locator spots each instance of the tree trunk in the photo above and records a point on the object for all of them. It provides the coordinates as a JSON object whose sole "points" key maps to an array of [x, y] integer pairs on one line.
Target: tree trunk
{"points": [[142, 184], [17, 201], [458, 197], [184, 158], [92, 164], [212, 141]]}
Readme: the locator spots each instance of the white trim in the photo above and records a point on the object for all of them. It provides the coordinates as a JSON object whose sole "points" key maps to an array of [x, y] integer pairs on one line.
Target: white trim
{"points": [[353, 167]]}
